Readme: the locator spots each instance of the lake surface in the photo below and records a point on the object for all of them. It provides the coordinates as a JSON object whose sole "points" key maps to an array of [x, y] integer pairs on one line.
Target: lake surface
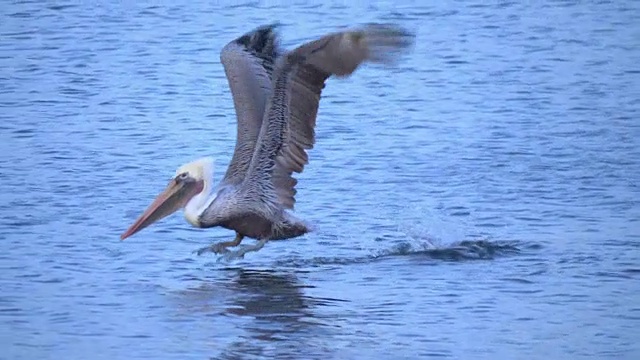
{"points": [[478, 201]]}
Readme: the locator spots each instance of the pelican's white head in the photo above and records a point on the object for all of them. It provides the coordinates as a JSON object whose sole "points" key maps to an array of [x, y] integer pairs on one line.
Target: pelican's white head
{"points": [[189, 189], [201, 169]]}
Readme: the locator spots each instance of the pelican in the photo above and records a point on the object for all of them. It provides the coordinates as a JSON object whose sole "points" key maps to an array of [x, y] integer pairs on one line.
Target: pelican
{"points": [[276, 95]]}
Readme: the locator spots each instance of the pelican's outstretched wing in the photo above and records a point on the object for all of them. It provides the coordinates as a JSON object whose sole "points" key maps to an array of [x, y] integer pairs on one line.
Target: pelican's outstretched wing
{"points": [[290, 118], [248, 63]]}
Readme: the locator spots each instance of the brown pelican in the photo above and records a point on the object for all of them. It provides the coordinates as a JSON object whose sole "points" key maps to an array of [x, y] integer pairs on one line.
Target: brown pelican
{"points": [[276, 96]]}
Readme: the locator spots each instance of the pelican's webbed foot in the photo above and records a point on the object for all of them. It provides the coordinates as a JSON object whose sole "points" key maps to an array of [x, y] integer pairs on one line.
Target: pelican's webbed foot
{"points": [[239, 254], [221, 247]]}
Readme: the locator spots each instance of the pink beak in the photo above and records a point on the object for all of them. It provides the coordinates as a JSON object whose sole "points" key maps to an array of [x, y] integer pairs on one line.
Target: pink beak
{"points": [[174, 197]]}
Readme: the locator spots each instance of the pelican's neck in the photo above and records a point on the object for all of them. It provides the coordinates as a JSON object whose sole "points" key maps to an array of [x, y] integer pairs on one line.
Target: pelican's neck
{"points": [[199, 203]]}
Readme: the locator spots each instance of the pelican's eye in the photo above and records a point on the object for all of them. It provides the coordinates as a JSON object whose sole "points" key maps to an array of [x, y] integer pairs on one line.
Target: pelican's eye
{"points": [[183, 176]]}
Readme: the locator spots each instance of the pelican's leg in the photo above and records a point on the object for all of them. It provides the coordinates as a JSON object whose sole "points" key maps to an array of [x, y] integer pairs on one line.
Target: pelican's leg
{"points": [[232, 255], [221, 247]]}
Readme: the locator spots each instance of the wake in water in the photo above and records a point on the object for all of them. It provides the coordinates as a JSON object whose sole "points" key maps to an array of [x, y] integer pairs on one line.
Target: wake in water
{"points": [[461, 251]]}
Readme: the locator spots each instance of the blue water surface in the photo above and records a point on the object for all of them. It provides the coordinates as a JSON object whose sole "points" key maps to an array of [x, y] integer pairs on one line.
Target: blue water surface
{"points": [[479, 200]]}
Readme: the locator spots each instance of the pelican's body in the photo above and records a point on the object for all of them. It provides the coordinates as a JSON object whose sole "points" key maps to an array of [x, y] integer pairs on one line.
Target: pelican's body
{"points": [[276, 97], [230, 207]]}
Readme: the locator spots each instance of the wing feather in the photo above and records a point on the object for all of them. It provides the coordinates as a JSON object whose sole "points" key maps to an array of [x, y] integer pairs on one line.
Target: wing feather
{"points": [[338, 54], [248, 63], [288, 124], [272, 134]]}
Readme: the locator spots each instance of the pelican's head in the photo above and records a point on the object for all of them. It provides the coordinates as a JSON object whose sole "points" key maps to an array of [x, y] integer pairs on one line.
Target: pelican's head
{"points": [[189, 181]]}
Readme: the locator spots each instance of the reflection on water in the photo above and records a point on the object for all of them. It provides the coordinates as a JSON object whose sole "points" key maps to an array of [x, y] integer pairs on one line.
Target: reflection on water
{"points": [[276, 312]]}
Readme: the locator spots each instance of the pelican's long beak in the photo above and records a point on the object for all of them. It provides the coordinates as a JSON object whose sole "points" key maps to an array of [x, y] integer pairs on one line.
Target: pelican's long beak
{"points": [[174, 197]]}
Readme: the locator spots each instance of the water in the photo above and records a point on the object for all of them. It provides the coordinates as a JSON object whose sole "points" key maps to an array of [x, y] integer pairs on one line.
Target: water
{"points": [[480, 200]]}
